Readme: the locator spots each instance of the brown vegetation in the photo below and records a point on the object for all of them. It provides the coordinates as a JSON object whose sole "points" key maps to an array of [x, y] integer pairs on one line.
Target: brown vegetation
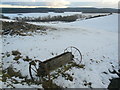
{"points": [[20, 28]]}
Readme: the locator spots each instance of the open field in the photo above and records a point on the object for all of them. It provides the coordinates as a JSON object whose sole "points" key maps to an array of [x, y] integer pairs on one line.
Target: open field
{"points": [[96, 38]]}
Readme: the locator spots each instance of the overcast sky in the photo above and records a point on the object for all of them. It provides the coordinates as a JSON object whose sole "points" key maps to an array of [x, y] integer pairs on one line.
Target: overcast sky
{"points": [[65, 3]]}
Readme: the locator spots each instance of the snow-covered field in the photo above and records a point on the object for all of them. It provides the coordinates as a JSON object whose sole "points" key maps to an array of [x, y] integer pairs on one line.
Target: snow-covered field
{"points": [[96, 38]]}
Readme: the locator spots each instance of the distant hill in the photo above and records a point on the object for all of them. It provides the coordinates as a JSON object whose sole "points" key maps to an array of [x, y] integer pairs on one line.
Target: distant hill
{"points": [[59, 10]]}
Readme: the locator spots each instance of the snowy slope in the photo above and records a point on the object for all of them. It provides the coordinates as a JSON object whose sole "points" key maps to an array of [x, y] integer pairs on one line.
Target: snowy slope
{"points": [[106, 23], [109, 23], [93, 37]]}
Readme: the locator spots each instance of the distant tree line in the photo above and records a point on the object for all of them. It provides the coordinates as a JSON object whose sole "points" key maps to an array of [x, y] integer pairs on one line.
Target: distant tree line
{"points": [[60, 10], [49, 18], [89, 17], [69, 18]]}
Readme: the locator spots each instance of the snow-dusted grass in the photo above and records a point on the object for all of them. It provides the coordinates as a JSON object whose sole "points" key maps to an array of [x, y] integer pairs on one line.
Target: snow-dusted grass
{"points": [[99, 47]]}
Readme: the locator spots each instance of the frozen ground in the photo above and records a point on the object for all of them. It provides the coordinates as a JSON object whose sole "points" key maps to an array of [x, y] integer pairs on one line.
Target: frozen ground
{"points": [[97, 39]]}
